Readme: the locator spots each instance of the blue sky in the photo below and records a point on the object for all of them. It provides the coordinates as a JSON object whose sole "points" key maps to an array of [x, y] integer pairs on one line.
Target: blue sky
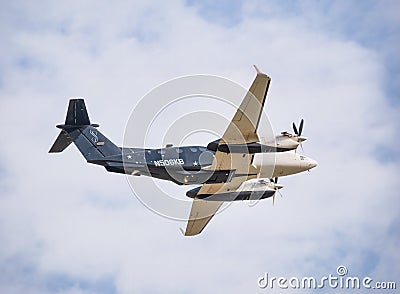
{"points": [[68, 227]]}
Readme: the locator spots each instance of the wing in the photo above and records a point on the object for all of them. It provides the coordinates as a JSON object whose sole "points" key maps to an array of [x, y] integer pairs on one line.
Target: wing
{"points": [[201, 213], [242, 129]]}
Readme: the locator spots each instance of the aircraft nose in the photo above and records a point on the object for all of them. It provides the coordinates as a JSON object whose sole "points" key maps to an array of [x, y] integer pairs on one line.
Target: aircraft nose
{"points": [[312, 163]]}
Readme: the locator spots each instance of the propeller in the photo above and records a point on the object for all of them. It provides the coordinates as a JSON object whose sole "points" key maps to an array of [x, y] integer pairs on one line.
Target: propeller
{"points": [[276, 188], [298, 132]]}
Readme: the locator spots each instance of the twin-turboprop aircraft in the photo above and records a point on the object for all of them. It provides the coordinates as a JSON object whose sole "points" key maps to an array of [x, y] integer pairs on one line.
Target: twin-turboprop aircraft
{"points": [[236, 167]]}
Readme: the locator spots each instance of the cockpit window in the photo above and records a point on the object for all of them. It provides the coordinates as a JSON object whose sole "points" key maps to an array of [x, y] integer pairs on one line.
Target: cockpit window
{"points": [[193, 149]]}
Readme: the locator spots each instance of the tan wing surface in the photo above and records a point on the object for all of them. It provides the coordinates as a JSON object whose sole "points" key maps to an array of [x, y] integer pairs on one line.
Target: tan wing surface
{"points": [[242, 129], [201, 213]]}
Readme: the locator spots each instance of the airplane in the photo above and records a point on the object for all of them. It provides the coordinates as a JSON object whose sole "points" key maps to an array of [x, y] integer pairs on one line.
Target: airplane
{"points": [[236, 167]]}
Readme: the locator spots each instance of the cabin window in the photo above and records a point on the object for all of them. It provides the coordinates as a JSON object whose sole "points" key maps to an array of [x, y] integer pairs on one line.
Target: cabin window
{"points": [[206, 158]]}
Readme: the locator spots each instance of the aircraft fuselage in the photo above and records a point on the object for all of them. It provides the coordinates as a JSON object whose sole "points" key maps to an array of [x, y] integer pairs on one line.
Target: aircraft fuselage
{"points": [[189, 165]]}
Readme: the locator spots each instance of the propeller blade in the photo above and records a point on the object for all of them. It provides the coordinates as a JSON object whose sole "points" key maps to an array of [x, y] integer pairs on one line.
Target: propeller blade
{"points": [[301, 127], [273, 199], [295, 129], [279, 191], [276, 180]]}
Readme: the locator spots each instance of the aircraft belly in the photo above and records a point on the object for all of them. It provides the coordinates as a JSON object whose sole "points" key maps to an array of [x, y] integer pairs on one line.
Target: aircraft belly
{"points": [[285, 171], [182, 176]]}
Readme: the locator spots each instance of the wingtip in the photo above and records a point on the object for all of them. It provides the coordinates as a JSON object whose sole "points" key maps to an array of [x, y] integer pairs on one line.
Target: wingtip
{"points": [[182, 231], [259, 72], [257, 69]]}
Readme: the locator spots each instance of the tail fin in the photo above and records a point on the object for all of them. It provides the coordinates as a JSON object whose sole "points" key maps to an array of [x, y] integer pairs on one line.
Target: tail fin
{"points": [[77, 114], [78, 129]]}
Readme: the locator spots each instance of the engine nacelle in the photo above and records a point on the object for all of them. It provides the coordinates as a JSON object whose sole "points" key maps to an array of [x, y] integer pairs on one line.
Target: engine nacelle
{"points": [[260, 184], [286, 141], [283, 142], [253, 189]]}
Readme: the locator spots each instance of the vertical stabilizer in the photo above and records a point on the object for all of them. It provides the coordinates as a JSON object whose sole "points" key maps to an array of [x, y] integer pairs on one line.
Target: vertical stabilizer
{"points": [[78, 129]]}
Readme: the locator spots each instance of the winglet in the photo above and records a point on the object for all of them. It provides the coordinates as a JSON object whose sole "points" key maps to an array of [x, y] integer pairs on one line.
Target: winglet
{"points": [[183, 232], [257, 69]]}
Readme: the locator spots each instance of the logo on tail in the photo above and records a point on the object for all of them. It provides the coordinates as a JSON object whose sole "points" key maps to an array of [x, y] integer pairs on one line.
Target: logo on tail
{"points": [[94, 139]]}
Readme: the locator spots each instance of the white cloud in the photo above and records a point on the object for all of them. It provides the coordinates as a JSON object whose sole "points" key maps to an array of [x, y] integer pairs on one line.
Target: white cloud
{"points": [[60, 216]]}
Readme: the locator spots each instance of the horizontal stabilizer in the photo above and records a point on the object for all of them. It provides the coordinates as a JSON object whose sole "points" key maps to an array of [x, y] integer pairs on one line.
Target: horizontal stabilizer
{"points": [[62, 142]]}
